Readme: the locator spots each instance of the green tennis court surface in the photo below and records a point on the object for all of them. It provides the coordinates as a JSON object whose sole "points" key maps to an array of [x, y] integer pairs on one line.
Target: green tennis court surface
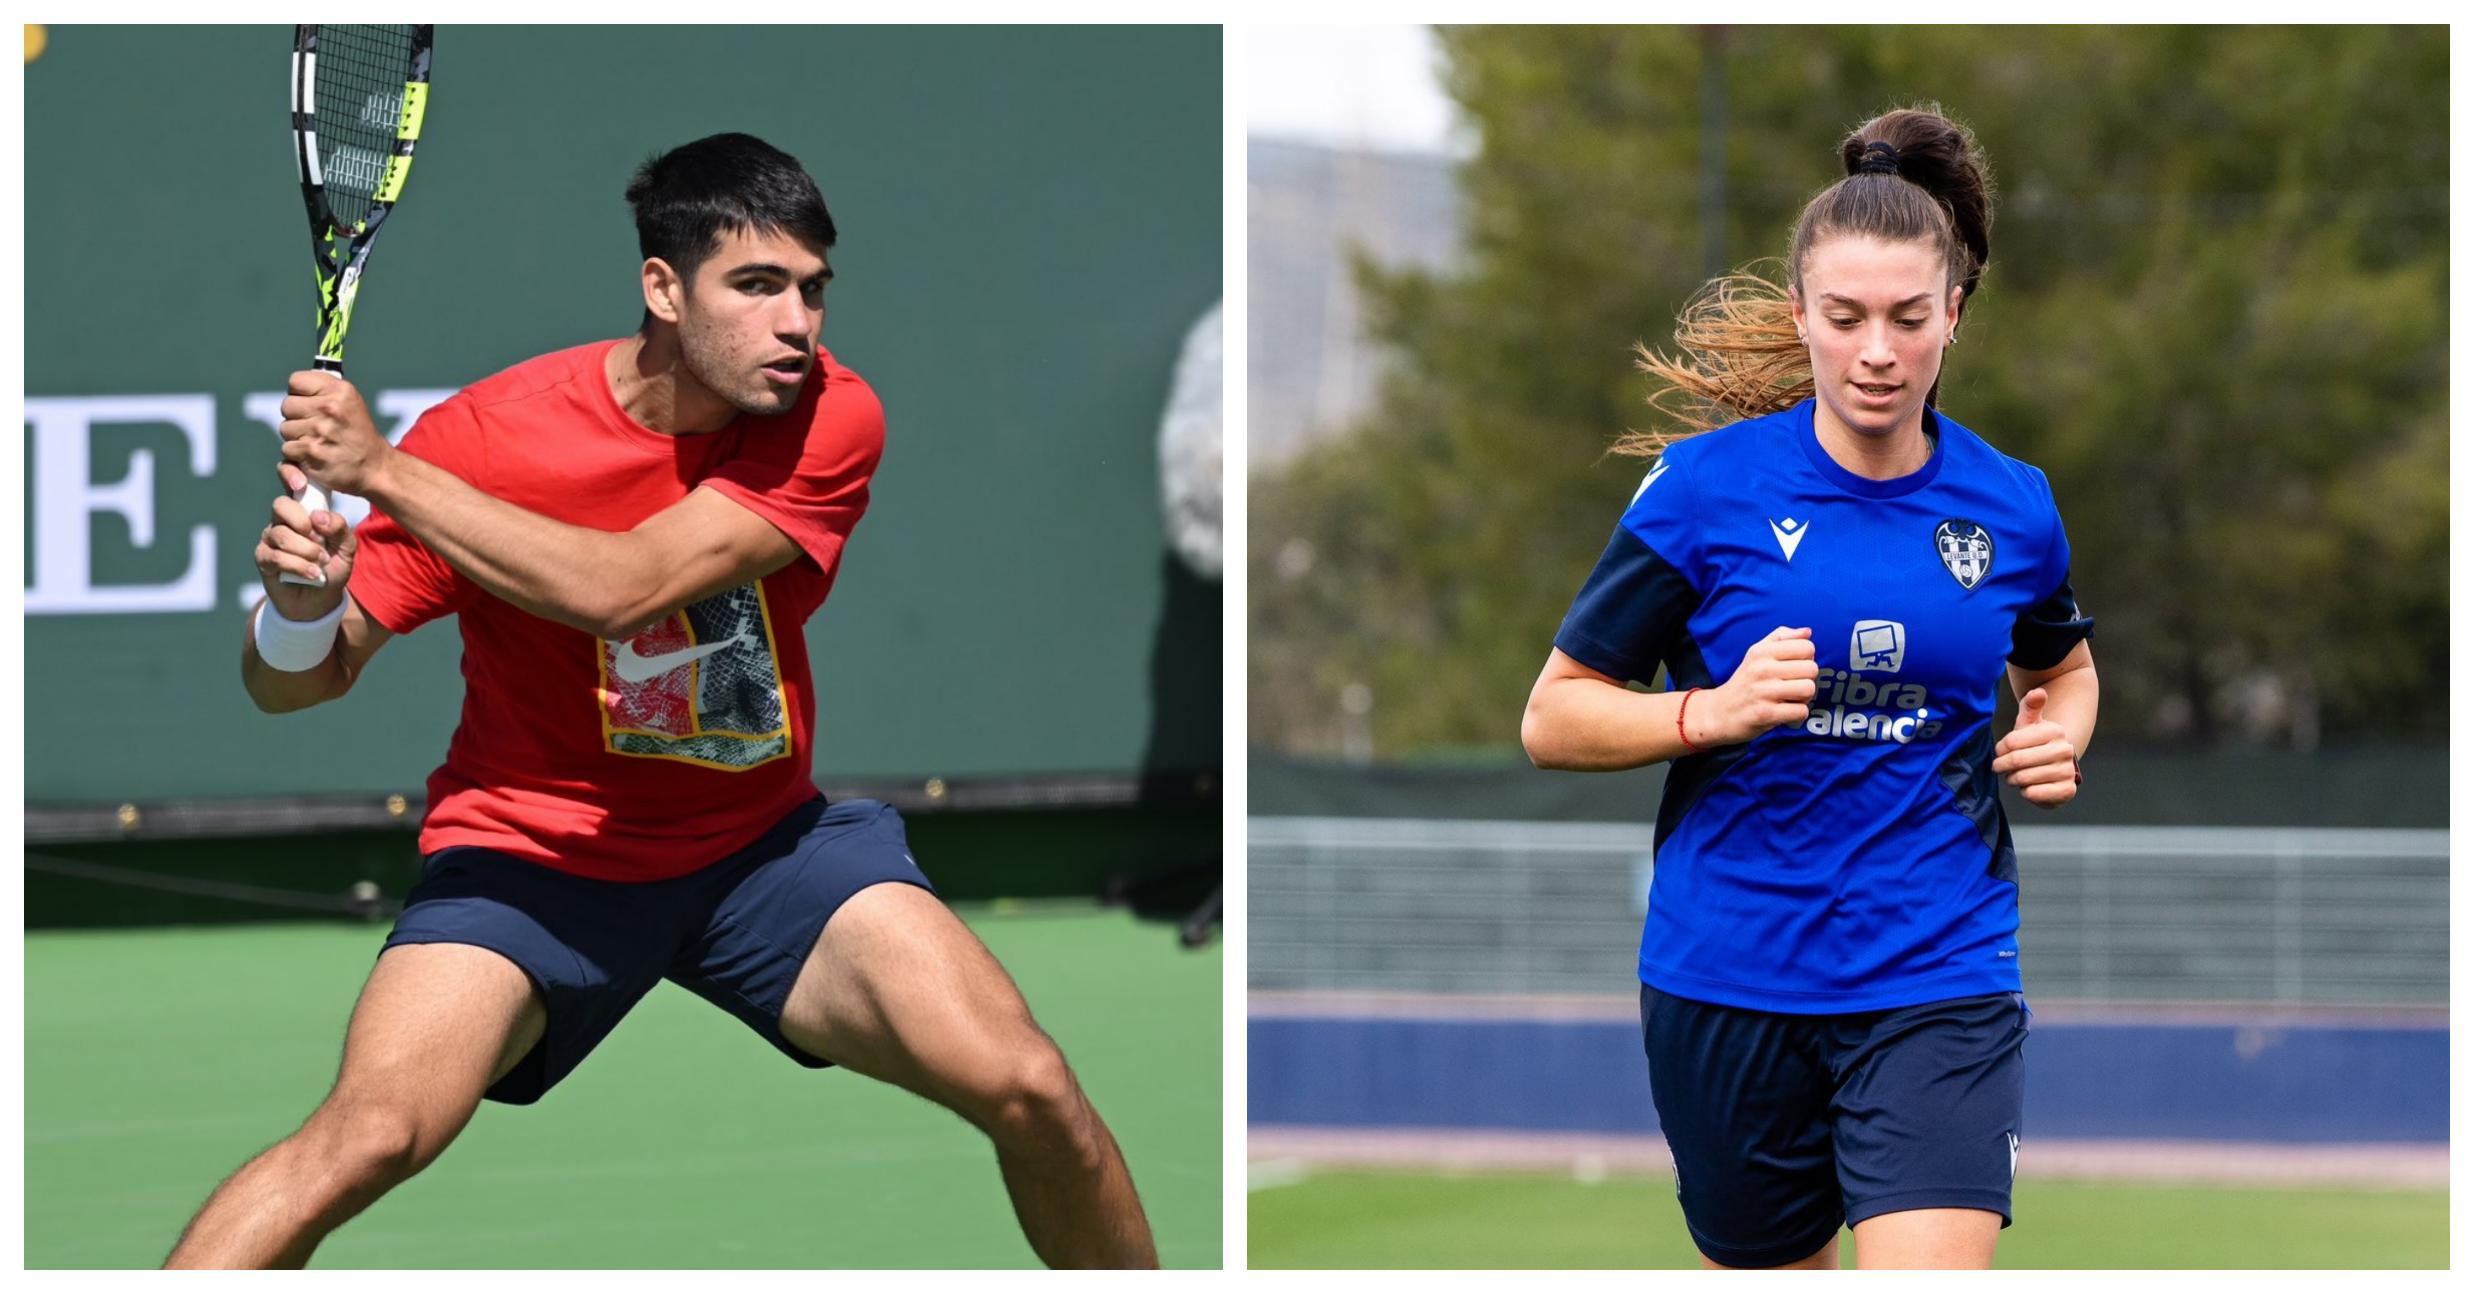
{"points": [[1353, 1219], [157, 1061]]}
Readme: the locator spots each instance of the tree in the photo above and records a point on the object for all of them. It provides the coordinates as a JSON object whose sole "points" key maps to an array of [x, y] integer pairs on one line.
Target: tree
{"points": [[2215, 316]]}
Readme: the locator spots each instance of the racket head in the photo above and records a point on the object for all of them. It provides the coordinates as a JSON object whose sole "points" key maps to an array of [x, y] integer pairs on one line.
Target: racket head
{"points": [[359, 95]]}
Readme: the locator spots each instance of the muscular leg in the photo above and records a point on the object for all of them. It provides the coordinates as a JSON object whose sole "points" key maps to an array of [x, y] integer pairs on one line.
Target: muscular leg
{"points": [[1826, 1259], [898, 989], [1952, 1239], [435, 1026]]}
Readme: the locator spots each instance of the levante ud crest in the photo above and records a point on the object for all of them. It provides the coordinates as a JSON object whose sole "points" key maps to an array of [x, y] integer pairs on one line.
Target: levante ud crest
{"points": [[1966, 550]]}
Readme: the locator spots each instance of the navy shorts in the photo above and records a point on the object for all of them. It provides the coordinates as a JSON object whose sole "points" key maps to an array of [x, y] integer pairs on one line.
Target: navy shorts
{"points": [[735, 933], [1785, 1127]]}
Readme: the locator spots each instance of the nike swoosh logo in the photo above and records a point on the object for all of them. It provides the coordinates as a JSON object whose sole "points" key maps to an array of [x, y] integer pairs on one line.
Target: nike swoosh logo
{"points": [[1790, 536], [635, 667]]}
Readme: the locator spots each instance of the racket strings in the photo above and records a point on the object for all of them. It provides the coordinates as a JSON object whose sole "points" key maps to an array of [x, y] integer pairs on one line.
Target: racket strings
{"points": [[360, 92]]}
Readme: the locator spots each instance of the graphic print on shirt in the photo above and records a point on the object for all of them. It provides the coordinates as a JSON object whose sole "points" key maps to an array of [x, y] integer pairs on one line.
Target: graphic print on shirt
{"points": [[703, 686], [1877, 645], [1845, 704]]}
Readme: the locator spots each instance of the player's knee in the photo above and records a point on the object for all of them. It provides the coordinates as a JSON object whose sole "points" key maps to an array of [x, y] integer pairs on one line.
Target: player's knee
{"points": [[369, 1144], [1034, 1100]]}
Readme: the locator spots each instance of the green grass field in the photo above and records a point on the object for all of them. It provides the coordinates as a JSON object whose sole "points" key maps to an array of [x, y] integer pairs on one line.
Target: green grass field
{"points": [[1371, 1219], [157, 1061]]}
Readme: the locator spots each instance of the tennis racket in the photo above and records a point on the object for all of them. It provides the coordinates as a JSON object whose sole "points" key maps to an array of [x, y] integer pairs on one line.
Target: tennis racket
{"points": [[358, 96]]}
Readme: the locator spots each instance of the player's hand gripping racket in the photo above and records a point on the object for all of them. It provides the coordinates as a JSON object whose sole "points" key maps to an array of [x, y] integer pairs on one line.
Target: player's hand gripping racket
{"points": [[358, 96]]}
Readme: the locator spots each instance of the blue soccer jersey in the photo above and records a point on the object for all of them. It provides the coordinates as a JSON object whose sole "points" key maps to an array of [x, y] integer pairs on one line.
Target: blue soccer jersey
{"points": [[1861, 860]]}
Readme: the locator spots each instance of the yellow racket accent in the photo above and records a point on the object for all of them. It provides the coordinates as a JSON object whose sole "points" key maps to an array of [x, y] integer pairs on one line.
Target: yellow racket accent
{"points": [[398, 167], [416, 99]]}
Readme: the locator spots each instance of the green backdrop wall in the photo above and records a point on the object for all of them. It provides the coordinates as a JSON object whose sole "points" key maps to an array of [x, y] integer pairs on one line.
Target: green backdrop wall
{"points": [[1030, 222]]}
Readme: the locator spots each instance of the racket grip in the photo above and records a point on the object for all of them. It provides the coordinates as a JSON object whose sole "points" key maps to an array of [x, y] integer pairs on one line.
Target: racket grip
{"points": [[316, 500]]}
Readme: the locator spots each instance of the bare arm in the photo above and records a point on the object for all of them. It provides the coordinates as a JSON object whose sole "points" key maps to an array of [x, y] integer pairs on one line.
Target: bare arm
{"points": [[297, 543], [606, 583], [610, 584], [277, 691], [2057, 720], [1584, 720]]}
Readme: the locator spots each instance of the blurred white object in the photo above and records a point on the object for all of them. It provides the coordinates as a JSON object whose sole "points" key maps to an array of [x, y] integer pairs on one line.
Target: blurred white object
{"points": [[1190, 449]]}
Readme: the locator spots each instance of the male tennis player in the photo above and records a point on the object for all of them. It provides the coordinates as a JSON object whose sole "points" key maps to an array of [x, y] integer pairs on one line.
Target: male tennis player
{"points": [[631, 535]]}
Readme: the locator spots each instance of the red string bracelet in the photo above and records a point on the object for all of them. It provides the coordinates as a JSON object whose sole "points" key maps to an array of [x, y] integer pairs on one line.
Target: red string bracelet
{"points": [[1679, 721]]}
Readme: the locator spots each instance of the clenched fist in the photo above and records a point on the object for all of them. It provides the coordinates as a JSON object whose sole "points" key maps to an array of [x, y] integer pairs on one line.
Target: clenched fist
{"points": [[2037, 756], [1771, 688], [327, 431], [297, 541]]}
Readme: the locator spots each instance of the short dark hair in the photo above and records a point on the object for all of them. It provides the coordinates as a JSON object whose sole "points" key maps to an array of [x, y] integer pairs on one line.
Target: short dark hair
{"points": [[687, 198]]}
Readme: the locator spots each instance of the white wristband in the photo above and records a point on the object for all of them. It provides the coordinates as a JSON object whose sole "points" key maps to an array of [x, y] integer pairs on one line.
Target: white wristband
{"points": [[296, 645]]}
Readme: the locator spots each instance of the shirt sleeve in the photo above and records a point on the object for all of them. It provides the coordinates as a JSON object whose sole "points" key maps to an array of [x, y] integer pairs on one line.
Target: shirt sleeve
{"points": [[2047, 631], [1632, 609], [396, 579], [813, 488]]}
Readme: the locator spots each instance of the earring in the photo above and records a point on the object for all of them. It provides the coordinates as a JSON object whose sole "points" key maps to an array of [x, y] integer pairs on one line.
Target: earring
{"points": [[1954, 340]]}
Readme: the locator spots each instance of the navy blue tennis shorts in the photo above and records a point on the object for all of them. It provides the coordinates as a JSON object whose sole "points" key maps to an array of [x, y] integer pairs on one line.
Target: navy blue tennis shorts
{"points": [[1786, 1127], [735, 933]]}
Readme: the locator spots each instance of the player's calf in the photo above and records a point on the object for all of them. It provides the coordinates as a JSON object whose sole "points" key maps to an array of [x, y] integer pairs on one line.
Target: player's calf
{"points": [[1067, 1179], [275, 1210], [436, 1024]]}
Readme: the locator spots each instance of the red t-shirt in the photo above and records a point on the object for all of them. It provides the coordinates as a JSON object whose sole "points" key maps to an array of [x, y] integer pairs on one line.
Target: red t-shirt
{"points": [[654, 757]]}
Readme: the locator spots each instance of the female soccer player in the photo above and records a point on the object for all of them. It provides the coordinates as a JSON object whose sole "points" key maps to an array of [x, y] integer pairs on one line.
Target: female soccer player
{"points": [[1830, 995]]}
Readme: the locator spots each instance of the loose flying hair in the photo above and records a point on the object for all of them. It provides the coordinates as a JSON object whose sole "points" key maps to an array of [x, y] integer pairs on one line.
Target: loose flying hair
{"points": [[1739, 354], [687, 198]]}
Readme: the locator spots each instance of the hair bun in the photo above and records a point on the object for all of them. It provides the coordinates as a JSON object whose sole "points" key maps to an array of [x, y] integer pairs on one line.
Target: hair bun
{"points": [[1880, 158]]}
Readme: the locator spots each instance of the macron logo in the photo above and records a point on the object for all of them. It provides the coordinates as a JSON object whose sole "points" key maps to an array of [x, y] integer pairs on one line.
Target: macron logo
{"points": [[1650, 480], [1790, 535]]}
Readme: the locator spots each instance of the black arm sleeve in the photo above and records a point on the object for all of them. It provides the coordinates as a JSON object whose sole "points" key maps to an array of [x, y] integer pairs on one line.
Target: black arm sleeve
{"points": [[2046, 632]]}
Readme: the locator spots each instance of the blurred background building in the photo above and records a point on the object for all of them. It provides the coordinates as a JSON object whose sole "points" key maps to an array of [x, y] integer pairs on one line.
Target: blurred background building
{"points": [[1312, 210]]}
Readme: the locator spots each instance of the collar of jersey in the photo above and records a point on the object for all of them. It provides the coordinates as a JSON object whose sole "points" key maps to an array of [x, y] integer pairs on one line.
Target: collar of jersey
{"points": [[1864, 486]]}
